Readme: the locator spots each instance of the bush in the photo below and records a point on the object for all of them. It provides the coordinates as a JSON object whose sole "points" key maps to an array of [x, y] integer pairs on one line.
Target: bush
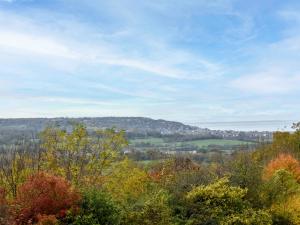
{"points": [[43, 194]]}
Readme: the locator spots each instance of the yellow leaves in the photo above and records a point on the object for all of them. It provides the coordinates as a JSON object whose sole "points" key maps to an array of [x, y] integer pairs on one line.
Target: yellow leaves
{"points": [[223, 204], [127, 182], [14, 169], [219, 189]]}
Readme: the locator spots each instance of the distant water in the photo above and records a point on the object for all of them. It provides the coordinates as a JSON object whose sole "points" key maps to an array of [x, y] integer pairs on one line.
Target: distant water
{"points": [[270, 125]]}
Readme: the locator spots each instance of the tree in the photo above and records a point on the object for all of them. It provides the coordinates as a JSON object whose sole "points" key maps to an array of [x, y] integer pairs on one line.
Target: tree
{"points": [[283, 161], [155, 210], [246, 172], [286, 142], [279, 187], [97, 208], [283, 142], [79, 157], [126, 183], [178, 175], [15, 167], [141, 199], [43, 194], [281, 194], [220, 203]]}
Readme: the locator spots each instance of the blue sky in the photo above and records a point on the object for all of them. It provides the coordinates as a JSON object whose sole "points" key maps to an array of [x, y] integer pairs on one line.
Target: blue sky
{"points": [[196, 60]]}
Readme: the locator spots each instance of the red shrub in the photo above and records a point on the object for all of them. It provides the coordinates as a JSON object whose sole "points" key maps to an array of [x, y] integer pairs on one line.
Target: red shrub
{"points": [[283, 161], [43, 194]]}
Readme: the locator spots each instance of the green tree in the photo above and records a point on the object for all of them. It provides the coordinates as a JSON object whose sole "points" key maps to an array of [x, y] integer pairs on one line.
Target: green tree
{"points": [[246, 172], [156, 210], [279, 187], [97, 208], [78, 156], [142, 200]]}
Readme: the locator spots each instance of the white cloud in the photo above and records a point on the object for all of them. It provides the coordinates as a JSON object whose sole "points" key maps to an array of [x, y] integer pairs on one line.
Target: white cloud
{"points": [[28, 43], [44, 41], [268, 82]]}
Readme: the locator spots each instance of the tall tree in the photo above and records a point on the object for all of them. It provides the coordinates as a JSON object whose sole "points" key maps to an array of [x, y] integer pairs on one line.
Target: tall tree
{"points": [[78, 156]]}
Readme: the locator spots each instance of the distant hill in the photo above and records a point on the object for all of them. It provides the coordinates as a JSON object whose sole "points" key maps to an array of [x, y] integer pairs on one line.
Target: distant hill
{"points": [[130, 124], [135, 127]]}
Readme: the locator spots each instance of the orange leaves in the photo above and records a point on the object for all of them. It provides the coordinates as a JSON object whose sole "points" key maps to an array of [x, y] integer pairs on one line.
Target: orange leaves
{"points": [[283, 161], [43, 194]]}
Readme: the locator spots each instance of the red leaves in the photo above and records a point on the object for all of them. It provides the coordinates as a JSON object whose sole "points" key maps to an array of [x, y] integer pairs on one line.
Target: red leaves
{"points": [[43, 194], [283, 161]]}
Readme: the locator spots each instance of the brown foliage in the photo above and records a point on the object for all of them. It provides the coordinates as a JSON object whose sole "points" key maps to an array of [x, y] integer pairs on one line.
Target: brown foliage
{"points": [[172, 167], [43, 194], [283, 161]]}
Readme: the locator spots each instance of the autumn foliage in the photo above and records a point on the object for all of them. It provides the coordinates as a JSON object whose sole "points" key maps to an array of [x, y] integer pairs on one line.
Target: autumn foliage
{"points": [[237, 189], [43, 198], [283, 161]]}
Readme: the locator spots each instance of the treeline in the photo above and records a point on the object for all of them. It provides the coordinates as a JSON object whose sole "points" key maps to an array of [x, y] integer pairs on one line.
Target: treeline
{"points": [[71, 177]]}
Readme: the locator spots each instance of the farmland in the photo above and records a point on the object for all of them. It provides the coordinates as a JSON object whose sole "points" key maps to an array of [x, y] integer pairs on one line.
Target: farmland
{"points": [[205, 144]]}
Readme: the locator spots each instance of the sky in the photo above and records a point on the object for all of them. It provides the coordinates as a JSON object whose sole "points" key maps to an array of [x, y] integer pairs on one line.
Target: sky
{"points": [[189, 61]]}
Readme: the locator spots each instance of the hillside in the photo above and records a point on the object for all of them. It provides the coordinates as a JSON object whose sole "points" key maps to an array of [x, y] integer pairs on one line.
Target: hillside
{"points": [[135, 127], [129, 124]]}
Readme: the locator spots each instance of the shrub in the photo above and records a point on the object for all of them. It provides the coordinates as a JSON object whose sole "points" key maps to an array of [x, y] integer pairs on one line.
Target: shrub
{"points": [[43, 194]]}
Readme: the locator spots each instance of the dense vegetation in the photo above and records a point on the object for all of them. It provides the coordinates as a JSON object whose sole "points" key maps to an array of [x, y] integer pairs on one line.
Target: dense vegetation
{"points": [[72, 177]]}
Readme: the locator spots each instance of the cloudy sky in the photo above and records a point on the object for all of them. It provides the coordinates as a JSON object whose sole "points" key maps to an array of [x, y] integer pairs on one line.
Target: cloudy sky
{"points": [[194, 60]]}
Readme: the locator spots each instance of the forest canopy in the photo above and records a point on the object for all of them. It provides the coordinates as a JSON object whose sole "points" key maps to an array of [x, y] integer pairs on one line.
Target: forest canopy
{"points": [[72, 177]]}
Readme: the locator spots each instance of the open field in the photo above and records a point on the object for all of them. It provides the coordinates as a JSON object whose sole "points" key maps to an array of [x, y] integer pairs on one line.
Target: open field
{"points": [[204, 143], [162, 144]]}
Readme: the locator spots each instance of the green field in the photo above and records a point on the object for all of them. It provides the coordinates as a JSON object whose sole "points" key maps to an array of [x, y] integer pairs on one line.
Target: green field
{"points": [[154, 141], [160, 142], [205, 143]]}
